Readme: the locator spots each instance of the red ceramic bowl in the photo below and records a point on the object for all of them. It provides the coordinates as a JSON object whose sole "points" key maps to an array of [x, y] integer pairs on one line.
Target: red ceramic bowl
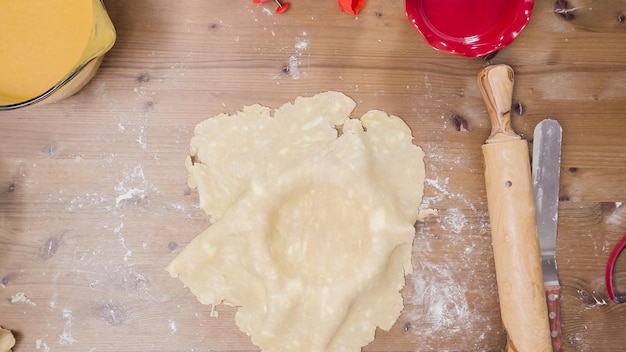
{"points": [[469, 28]]}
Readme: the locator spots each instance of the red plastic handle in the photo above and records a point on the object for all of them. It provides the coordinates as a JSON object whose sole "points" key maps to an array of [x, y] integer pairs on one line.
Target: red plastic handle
{"points": [[610, 266], [282, 7]]}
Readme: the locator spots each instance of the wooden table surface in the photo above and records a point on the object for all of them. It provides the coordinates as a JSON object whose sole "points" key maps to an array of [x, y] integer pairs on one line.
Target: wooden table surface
{"points": [[94, 202]]}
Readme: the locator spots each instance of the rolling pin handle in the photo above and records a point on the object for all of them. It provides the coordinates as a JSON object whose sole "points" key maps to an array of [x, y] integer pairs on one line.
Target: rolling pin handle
{"points": [[496, 85]]}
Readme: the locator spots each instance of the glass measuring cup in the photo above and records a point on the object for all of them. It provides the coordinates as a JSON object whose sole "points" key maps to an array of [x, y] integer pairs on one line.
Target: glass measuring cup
{"points": [[50, 49]]}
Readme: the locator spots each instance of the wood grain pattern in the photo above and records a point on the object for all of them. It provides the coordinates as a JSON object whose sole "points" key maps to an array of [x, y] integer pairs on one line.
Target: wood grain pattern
{"points": [[101, 174], [516, 246]]}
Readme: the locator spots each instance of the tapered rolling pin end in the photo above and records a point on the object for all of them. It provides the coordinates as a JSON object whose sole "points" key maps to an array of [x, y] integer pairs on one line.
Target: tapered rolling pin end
{"points": [[496, 85]]}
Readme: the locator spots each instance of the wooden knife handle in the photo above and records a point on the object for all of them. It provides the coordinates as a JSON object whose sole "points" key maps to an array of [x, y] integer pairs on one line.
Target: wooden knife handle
{"points": [[553, 297], [513, 223]]}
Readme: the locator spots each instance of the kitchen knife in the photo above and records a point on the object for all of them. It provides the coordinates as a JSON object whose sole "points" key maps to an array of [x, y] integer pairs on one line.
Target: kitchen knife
{"points": [[546, 170], [512, 217]]}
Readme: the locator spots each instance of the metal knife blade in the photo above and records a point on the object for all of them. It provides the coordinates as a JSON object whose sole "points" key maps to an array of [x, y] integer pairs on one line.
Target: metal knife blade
{"points": [[546, 172]]}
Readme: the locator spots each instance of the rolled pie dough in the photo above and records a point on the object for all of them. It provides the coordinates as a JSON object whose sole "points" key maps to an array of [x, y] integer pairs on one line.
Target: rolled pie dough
{"points": [[311, 228], [7, 341]]}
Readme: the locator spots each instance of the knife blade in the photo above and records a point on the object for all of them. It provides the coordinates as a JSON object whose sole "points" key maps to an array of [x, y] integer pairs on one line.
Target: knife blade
{"points": [[546, 171]]}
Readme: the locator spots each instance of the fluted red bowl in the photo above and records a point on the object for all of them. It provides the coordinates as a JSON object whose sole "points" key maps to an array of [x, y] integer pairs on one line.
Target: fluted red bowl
{"points": [[469, 28]]}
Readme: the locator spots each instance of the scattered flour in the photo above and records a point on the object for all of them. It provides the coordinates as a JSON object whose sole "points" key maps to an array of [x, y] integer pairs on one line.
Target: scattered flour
{"points": [[453, 220], [132, 193], [66, 337], [441, 307], [39, 344], [214, 313], [183, 209], [296, 60], [118, 229], [132, 187], [123, 241], [445, 302], [302, 45], [618, 216], [21, 297], [53, 299], [441, 186], [442, 303], [131, 280], [142, 138], [579, 339], [88, 199], [294, 70], [173, 327]]}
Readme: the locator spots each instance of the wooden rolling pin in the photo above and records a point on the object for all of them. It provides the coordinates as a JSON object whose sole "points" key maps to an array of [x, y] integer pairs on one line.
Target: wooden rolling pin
{"points": [[513, 222]]}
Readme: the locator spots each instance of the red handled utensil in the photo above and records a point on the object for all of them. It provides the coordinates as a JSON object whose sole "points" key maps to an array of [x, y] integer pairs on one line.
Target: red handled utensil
{"points": [[610, 267], [282, 5]]}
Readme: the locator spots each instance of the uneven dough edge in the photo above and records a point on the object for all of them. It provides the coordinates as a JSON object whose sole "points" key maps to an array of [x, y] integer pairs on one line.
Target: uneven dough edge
{"points": [[400, 263], [7, 340], [322, 114]]}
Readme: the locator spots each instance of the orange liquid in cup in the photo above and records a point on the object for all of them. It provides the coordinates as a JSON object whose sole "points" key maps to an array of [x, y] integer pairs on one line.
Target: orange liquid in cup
{"points": [[45, 44]]}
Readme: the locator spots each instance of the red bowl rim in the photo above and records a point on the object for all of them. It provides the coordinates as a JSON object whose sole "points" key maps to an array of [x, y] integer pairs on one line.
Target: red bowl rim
{"points": [[483, 43]]}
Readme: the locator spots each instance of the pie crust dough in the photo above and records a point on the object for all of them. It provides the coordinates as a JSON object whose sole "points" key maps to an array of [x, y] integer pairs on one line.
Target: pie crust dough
{"points": [[312, 228], [7, 341]]}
